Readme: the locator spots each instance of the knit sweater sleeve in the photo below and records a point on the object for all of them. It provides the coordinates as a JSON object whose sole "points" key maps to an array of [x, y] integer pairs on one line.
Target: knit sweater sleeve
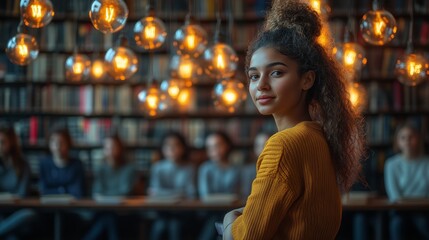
{"points": [[274, 190]]}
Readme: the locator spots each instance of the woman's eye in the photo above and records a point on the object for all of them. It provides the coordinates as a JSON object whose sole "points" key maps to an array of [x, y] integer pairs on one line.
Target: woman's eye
{"points": [[253, 77], [276, 73]]}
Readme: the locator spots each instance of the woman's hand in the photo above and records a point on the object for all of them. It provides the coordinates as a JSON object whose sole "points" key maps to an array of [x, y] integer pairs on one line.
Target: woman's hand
{"points": [[227, 222]]}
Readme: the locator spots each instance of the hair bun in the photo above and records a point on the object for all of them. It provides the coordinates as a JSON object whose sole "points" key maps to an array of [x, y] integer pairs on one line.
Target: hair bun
{"points": [[295, 15]]}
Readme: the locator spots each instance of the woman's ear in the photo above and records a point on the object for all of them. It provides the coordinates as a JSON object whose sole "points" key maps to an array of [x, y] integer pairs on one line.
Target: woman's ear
{"points": [[308, 80]]}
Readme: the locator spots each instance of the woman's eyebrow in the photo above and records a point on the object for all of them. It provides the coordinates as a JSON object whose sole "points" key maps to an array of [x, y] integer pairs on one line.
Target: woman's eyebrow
{"points": [[275, 64]]}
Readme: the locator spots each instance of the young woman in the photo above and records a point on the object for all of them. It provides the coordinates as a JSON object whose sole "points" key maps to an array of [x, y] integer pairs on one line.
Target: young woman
{"points": [[407, 176], [306, 164], [173, 176], [14, 179]]}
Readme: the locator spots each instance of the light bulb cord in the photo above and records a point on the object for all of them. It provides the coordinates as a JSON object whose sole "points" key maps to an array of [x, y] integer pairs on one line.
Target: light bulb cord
{"points": [[410, 46], [376, 5], [230, 23], [218, 21], [150, 70]]}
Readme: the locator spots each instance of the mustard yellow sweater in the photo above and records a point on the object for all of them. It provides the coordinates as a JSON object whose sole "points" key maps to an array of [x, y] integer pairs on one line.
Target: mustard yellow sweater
{"points": [[295, 194]]}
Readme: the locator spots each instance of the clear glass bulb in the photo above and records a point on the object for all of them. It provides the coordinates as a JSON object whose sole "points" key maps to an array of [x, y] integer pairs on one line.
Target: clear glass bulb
{"points": [[351, 55], [357, 96], [228, 95], [22, 49], [152, 101], [221, 61], [108, 16], [185, 68], [378, 27], [185, 98], [98, 69], [150, 33], [36, 13], [411, 69], [174, 86], [121, 62], [77, 67], [190, 40]]}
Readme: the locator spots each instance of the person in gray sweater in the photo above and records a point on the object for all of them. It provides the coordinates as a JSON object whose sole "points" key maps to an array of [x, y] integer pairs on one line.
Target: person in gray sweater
{"points": [[407, 177], [14, 179]]}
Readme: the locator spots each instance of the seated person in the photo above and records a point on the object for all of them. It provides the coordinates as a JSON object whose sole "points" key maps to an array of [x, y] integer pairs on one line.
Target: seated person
{"points": [[114, 178], [407, 176], [14, 179], [173, 176], [217, 176]]}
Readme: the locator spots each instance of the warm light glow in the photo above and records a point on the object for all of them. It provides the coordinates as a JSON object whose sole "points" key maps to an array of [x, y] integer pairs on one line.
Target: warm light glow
{"points": [[78, 68], [173, 91], [120, 62], [184, 97], [414, 68], [316, 5], [108, 12], [229, 96], [152, 101], [357, 96], [150, 32], [190, 42], [97, 69], [36, 11], [220, 63], [22, 50], [379, 26], [185, 70], [108, 16], [349, 57]]}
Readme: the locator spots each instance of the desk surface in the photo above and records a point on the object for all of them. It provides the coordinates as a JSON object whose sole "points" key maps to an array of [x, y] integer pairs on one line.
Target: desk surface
{"points": [[142, 203]]}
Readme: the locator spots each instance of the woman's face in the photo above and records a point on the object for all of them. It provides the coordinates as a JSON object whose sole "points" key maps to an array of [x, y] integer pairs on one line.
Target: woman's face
{"points": [[274, 83], [59, 146], [4, 145], [173, 149], [217, 148], [408, 141], [112, 151]]}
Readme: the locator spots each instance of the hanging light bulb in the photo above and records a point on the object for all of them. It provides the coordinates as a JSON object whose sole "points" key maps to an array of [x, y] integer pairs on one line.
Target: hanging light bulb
{"points": [[98, 69], [378, 26], [350, 54], [121, 61], [152, 101], [77, 67], [149, 32], [190, 40], [22, 49], [357, 96], [174, 86], [411, 69], [108, 16], [185, 68], [184, 99], [221, 61], [228, 95], [320, 6], [36, 13]]}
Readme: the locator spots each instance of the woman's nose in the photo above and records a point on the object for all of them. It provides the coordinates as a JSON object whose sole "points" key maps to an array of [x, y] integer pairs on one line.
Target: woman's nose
{"points": [[263, 83]]}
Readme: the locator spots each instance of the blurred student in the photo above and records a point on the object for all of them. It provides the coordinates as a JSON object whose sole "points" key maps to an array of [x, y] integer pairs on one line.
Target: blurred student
{"points": [[248, 172], [114, 178], [217, 176], [407, 177], [173, 176], [14, 179], [59, 172]]}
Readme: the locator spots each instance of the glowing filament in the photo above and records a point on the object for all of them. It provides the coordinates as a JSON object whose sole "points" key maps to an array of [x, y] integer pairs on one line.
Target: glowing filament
{"points": [[150, 32], [414, 68], [220, 63], [379, 26], [190, 41], [349, 57], [97, 69], [109, 14], [152, 101], [230, 97], [36, 11], [22, 50], [121, 63], [173, 91], [185, 70], [184, 96], [78, 68]]}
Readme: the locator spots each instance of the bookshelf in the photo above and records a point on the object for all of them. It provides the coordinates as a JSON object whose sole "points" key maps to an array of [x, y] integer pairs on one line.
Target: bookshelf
{"points": [[36, 97]]}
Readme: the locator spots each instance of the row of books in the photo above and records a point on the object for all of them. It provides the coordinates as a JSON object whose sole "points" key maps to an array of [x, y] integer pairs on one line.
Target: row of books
{"points": [[97, 99], [395, 97], [137, 132]]}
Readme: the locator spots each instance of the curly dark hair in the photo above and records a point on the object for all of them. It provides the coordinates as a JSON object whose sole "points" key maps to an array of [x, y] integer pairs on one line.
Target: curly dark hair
{"points": [[292, 29]]}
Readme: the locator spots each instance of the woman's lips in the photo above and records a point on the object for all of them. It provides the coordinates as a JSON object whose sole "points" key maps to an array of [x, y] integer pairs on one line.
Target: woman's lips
{"points": [[264, 99]]}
